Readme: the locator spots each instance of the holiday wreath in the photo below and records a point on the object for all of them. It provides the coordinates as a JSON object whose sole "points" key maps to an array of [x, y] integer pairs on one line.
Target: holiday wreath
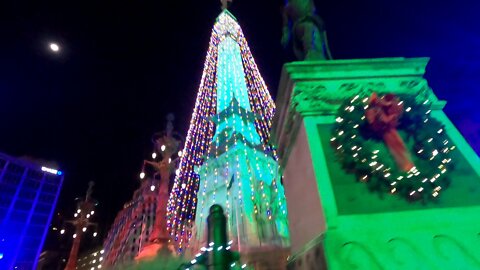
{"points": [[393, 145]]}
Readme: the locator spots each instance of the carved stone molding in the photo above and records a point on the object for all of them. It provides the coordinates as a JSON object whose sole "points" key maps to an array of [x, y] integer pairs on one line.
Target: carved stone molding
{"points": [[319, 88], [444, 251], [322, 98]]}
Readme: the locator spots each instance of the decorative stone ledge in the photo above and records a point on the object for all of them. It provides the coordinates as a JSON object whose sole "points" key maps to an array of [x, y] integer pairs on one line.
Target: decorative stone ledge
{"points": [[320, 87], [336, 223]]}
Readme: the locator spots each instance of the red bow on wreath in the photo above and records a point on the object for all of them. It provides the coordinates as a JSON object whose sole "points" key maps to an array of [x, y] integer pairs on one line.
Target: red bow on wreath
{"points": [[383, 115]]}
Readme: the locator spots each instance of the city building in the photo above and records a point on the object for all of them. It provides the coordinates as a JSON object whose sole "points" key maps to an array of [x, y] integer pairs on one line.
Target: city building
{"points": [[28, 195], [139, 232], [132, 226], [51, 260], [91, 259]]}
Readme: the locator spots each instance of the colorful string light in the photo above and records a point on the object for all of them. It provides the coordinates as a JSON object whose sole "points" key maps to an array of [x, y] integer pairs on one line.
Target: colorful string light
{"points": [[227, 144], [363, 155]]}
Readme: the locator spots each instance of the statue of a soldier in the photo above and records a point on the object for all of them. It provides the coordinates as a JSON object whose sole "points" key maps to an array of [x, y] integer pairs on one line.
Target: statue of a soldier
{"points": [[306, 30]]}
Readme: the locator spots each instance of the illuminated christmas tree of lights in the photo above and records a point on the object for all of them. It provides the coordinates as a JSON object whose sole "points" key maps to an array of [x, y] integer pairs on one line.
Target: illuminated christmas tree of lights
{"points": [[227, 158]]}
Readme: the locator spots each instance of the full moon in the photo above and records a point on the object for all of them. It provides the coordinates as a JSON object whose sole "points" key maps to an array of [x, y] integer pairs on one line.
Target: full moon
{"points": [[54, 47]]}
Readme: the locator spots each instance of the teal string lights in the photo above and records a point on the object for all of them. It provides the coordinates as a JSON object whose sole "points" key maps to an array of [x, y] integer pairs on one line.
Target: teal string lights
{"points": [[228, 159]]}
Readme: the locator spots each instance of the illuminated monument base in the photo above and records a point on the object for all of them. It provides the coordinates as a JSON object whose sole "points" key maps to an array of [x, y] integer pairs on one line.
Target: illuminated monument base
{"points": [[335, 221]]}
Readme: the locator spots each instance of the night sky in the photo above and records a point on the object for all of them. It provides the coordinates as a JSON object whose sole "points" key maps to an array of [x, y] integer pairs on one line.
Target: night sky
{"points": [[124, 65]]}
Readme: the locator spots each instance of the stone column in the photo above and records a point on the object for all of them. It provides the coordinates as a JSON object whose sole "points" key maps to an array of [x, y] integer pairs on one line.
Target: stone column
{"points": [[335, 222]]}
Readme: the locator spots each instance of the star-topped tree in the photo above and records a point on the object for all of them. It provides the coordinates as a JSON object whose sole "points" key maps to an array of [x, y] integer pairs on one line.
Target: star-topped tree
{"points": [[228, 159]]}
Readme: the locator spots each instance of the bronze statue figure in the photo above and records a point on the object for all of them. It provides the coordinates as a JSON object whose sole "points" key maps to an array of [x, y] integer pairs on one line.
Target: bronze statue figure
{"points": [[306, 29], [226, 3]]}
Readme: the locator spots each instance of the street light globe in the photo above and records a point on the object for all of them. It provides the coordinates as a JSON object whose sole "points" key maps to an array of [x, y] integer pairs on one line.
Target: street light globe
{"points": [[54, 47]]}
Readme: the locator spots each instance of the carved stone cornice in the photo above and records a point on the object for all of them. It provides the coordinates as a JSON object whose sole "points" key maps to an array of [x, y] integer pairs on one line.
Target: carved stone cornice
{"points": [[355, 68], [311, 88], [326, 97]]}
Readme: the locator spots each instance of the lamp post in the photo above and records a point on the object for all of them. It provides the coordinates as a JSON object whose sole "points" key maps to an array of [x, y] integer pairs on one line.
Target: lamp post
{"points": [[166, 145], [85, 210], [217, 256]]}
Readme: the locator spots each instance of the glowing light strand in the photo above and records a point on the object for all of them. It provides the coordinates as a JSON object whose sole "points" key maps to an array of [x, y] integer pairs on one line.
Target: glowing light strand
{"points": [[424, 182], [183, 198]]}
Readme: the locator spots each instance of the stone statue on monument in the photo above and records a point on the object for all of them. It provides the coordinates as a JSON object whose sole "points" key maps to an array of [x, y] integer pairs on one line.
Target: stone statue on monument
{"points": [[226, 3], [306, 30]]}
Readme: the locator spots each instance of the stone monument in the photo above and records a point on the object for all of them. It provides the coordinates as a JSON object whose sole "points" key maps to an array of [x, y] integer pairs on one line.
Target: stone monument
{"points": [[336, 220]]}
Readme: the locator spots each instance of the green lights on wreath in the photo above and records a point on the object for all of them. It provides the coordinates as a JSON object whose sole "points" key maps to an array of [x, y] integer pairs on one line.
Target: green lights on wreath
{"points": [[363, 152]]}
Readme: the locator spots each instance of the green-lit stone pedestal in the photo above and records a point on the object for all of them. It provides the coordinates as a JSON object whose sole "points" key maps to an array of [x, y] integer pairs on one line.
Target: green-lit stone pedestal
{"points": [[335, 222]]}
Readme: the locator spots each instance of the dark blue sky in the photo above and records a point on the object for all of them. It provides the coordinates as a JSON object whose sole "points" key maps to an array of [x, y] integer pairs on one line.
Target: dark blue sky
{"points": [[126, 64]]}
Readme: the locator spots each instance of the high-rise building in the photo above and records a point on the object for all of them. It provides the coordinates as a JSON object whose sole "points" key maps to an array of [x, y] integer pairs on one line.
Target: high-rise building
{"points": [[139, 232], [132, 226], [228, 159], [28, 195], [91, 259], [51, 260]]}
